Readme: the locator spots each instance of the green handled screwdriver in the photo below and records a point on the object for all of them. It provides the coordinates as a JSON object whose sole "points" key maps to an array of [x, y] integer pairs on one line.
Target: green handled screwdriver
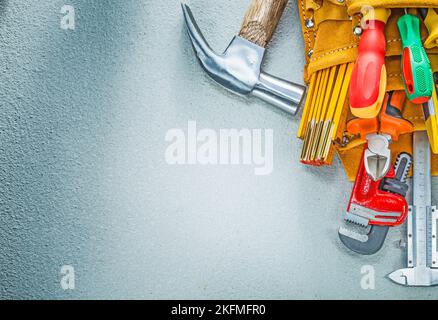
{"points": [[416, 70]]}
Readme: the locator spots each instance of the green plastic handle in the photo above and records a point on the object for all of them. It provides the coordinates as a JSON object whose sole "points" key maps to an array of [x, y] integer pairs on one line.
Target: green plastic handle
{"points": [[416, 70]]}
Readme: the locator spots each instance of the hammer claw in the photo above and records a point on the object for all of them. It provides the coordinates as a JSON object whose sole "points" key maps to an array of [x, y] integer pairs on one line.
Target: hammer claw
{"points": [[200, 45], [238, 69]]}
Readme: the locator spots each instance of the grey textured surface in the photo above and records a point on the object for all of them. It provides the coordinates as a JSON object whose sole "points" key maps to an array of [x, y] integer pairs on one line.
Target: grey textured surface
{"points": [[84, 182]]}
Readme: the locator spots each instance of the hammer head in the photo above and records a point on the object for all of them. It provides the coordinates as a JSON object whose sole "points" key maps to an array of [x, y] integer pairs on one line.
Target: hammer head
{"points": [[238, 69]]}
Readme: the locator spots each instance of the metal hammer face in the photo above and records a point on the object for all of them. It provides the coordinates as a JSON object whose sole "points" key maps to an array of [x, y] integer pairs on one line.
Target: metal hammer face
{"points": [[238, 69]]}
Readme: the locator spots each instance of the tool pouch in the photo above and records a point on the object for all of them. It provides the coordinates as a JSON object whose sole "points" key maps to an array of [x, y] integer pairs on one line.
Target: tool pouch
{"points": [[329, 40]]}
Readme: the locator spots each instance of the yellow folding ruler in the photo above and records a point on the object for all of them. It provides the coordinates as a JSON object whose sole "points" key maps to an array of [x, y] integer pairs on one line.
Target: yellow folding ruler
{"points": [[325, 109]]}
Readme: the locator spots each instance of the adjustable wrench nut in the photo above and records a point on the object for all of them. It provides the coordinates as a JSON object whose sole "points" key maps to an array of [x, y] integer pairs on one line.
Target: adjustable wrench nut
{"points": [[394, 186]]}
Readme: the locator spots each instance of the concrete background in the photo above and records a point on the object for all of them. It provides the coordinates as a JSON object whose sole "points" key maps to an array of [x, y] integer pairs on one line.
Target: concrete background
{"points": [[84, 181]]}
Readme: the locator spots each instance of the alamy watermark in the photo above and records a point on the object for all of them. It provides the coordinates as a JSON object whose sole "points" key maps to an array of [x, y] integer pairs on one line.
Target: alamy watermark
{"points": [[368, 280], [68, 281], [68, 20], [221, 147]]}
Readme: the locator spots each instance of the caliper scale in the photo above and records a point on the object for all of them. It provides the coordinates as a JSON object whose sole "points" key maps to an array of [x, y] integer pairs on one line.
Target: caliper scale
{"points": [[422, 264]]}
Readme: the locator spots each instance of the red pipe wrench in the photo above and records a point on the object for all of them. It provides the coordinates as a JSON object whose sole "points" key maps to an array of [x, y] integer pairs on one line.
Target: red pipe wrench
{"points": [[375, 206]]}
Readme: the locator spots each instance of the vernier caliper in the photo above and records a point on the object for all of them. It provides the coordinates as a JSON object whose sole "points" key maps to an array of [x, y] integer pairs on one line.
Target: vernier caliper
{"points": [[422, 255]]}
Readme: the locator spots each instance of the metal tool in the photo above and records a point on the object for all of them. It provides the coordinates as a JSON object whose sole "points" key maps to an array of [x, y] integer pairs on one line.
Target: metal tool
{"points": [[416, 70], [390, 124], [238, 69], [368, 81], [374, 207], [422, 254], [377, 157]]}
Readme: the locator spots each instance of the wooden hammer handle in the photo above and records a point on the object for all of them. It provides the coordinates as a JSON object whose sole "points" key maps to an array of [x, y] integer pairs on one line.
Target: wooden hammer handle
{"points": [[261, 20]]}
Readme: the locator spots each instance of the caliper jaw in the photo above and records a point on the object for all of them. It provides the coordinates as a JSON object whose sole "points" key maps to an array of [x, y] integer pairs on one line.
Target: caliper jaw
{"points": [[419, 273], [415, 277], [422, 253]]}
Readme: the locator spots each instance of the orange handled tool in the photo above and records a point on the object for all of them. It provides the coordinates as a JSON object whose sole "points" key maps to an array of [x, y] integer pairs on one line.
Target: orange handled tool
{"points": [[368, 81], [380, 134], [363, 127], [391, 119]]}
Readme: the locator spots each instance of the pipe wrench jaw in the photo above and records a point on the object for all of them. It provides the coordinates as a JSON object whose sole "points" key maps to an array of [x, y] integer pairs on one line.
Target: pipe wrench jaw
{"points": [[397, 184], [365, 229], [377, 156], [365, 244], [372, 209], [358, 234]]}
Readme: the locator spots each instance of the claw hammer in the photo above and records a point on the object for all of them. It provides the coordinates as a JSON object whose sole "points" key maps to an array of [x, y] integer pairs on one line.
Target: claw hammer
{"points": [[238, 69]]}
